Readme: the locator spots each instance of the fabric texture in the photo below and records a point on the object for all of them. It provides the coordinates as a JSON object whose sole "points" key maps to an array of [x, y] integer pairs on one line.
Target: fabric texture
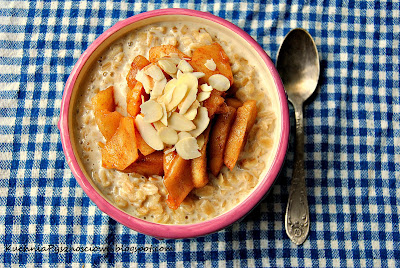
{"points": [[352, 142]]}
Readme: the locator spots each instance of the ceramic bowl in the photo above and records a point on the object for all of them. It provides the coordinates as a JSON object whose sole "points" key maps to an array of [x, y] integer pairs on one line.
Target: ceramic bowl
{"points": [[269, 77]]}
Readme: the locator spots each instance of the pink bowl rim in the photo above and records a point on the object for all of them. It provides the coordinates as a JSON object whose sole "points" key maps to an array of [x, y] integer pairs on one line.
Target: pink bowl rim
{"points": [[163, 230]]}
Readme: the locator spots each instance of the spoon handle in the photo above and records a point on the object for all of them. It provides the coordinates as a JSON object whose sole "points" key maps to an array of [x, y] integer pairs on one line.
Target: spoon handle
{"points": [[297, 220]]}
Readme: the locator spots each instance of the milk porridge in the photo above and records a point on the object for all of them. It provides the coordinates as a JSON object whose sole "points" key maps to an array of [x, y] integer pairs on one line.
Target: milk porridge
{"points": [[146, 197]]}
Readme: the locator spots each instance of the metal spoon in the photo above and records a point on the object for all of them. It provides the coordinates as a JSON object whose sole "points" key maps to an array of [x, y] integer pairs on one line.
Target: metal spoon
{"points": [[298, 66]]}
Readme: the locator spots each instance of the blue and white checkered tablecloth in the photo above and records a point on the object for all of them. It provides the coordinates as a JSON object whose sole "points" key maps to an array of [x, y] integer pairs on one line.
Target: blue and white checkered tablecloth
{"points": [[352, 144]]}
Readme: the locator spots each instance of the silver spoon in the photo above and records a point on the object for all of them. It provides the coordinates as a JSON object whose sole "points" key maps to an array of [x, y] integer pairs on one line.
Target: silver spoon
{"points": [[298, 66]]}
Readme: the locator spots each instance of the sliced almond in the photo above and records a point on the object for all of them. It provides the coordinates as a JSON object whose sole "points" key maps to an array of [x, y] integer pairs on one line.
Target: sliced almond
{"points": [[178, 73], [210, 64], [188, 101], [200, 141], [192, 83], [154, 72], [145, 80], [158, 125], [206, 88], [201, 121], [168, 66], [168, 135], [219, 82], [185, 67], [180, 123], [151, 110], [177, 96], [198, 75], [148, 133], [188, 148], [158, 88], [174, 58], [183, 134], [192, 111], [164, 118], [169, 91], [202, 96]]}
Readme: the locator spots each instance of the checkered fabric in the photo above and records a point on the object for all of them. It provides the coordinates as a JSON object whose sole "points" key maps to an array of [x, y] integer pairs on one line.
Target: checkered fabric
{"points": [[352, 142]]}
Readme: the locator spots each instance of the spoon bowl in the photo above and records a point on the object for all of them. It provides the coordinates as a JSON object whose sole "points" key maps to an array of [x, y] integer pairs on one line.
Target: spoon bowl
{"points": [[298, 65]]}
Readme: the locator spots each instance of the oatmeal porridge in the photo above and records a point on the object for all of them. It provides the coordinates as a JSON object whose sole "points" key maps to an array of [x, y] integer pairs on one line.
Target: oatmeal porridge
{"points": [[144, 193]]}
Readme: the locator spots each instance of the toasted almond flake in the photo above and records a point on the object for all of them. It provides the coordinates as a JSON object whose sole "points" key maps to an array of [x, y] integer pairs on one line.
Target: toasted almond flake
{"points": [[158, 125], [219, 82], [151, 110], [168, 66], [169, 91], [202, 96], [145, 80], [188, 148], [200, 141], [158, 88], [180, 123], [168, 135], [192, 111], [154, 72], [148, 133], [178, 95], [183, 134], [178, 74], [210, 64], [164, 118], [206, 88], [201, 121], [188, 101], [173, 57], [170, 150], [185, 67], [199, 75]]}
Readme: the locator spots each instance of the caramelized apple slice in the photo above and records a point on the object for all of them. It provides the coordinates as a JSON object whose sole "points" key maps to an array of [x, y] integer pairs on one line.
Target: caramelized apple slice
{"points": [[107, 122], [107, 119], [217, 54], [245, 118], [199, 164], [121, 151], [213, 102], [134, 99], [177, 179], [104, 100], [148, 165], [219, 136], [235, 103]]}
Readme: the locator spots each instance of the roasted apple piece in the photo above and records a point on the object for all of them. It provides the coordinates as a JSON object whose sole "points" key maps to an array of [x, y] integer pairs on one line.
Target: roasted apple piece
{"points": [[120, 151], [134, 99], [107, 119], [177, 179], [199, 164], [245, 118], [215, 53], [148, 165], [235, 103], [213, 103], [218, 138]]}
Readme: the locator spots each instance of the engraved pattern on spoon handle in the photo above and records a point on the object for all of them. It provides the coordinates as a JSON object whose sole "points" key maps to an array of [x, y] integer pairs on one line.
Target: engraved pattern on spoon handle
{"points": [[297, 220]]}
